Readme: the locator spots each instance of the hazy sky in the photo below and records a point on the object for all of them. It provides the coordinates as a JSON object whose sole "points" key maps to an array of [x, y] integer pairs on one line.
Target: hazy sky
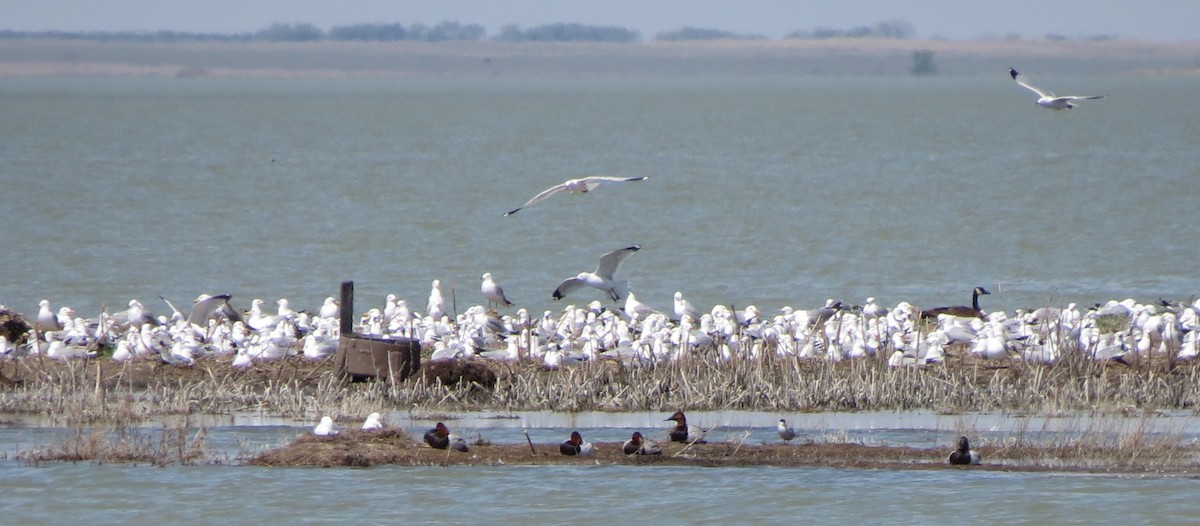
{"points": [[955, 19]]}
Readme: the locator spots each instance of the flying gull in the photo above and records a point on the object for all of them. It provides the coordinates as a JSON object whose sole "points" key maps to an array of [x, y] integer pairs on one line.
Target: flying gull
{"points": [[1047, 99], [579, 186], [602, 278]]}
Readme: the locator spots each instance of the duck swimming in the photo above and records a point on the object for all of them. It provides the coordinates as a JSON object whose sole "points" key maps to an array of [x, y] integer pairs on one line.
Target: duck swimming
{"points": [[636, 445], [964, 455], [682, 432], [576, 446]]}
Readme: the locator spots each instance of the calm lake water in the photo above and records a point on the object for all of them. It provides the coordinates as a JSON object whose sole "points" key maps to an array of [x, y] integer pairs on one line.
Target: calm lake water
{"points": [[772, 191]]}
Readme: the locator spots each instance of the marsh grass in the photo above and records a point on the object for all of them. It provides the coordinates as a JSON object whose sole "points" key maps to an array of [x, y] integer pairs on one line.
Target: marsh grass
{"points": [[169, 445], [82, 392]]}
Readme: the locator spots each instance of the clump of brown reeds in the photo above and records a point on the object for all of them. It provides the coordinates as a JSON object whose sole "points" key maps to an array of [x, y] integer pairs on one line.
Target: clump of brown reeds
{"points": [[103, 391], [170, 445]]}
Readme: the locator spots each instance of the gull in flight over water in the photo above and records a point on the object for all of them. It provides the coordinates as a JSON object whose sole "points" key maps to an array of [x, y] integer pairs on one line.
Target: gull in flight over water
{"points": [[579, 186], [1047, 99], [602, 278]]}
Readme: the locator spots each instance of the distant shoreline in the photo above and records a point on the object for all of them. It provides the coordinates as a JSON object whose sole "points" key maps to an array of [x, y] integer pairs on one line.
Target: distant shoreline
{"points": [[488, 59]]}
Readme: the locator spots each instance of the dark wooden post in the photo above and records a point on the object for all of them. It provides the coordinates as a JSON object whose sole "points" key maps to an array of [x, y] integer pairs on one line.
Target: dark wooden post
{"points": [[347, 310]]}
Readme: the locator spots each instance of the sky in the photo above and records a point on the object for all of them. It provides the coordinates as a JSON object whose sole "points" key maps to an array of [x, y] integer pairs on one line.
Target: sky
{"points": [[1158, 20]]}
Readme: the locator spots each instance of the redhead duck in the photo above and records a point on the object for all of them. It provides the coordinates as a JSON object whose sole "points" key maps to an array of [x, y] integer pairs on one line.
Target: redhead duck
{"points": [[576, 445], [682, 432], [440, 438], [636, 445], [964, 454]]}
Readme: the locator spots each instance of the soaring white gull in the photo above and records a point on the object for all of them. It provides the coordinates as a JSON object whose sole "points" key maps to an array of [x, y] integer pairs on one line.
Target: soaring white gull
{"points": [[1047, 99], [602, 278], [492, 291], [578, 186]]}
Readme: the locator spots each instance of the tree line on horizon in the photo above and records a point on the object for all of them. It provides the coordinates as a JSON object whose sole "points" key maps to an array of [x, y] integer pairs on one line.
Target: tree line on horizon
{"points": [[455, 31]]}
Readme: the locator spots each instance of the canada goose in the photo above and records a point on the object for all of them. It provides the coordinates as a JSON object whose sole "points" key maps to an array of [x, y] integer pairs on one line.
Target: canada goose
{"points": [[960, 310]]}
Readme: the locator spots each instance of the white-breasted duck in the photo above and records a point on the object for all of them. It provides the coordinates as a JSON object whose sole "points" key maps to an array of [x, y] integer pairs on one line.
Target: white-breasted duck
{"points": [[638, 445], [576, 446], [682, 432], [964, 455]]}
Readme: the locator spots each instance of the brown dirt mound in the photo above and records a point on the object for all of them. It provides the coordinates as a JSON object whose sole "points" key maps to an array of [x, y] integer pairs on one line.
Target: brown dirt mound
{"points": [[350, 448], [455, 372], [363, 449]]}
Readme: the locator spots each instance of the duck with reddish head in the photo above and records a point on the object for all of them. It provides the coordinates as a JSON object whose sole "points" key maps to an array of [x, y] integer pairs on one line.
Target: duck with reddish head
{"points": [[637, 445], [682, 432], [440, 437], [964, 455], [576, 446]]}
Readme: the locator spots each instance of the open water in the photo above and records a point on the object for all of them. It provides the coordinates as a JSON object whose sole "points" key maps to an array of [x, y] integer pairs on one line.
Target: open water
{"points": [[766, 190]]}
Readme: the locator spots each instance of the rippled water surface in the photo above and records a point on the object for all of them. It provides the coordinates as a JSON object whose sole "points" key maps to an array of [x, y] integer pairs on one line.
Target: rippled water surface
{"points": [[773, 191], [593, 495]]}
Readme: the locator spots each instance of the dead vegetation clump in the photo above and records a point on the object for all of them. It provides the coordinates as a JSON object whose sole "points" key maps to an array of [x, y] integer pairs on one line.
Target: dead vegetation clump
{"points": [[90, 391], [170, 445], [456, 373]]}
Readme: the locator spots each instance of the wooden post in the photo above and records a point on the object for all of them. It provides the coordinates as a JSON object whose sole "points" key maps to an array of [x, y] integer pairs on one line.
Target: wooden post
{"points": [[347, 311]]}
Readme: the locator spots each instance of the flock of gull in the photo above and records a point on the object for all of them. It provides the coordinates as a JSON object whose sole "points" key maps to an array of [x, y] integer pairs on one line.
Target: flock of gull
{"points": [[627, 331]]}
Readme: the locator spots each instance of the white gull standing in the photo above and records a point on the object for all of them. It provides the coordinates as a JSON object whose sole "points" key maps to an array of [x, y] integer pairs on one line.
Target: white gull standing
{"points": [[436, 307], [492, 291], [579, 186], [684, 307], [1047, 99], [602, 278]]}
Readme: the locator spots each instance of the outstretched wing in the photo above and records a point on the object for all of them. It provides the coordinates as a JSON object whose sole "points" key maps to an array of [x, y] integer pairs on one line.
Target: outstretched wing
{"points": [[1023, 82], [212, 307], [566, 287], [593, 182], [545, 194], [610, 261], [1081, 97]]}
